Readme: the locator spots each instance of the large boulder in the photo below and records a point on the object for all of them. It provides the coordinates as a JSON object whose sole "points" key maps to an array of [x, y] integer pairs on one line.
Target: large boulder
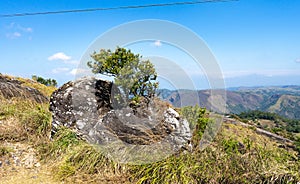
{"points": [[12, 88], [79, 104], [87, 107]]}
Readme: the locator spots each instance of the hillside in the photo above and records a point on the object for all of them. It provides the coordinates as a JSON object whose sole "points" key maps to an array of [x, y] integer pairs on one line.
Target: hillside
{"points": [[284, 100], [240, 153]]}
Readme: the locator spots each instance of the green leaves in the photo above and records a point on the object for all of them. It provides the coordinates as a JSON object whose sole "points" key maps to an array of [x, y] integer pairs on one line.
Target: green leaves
{"points": [[198, 120], [109, 63], [46, 82], [135, 77]]}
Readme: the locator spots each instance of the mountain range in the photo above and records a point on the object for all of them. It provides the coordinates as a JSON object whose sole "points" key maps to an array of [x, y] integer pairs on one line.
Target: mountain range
{"points": [[283, 100]]}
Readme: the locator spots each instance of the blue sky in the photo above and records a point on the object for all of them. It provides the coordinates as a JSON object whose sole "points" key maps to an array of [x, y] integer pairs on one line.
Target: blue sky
{"points": [[255, 42]]}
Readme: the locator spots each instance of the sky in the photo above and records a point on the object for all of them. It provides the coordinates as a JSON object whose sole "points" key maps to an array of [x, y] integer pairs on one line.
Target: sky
{"points": [[254, 42]]}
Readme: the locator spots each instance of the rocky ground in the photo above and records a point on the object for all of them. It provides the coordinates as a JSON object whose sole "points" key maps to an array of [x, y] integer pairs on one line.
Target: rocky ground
{"points": [[21, 165]]}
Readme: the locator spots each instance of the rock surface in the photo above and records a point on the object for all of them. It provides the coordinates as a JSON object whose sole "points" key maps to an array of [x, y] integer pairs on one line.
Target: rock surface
{"points": [[86, 107], [10, 88], [79, 104]]}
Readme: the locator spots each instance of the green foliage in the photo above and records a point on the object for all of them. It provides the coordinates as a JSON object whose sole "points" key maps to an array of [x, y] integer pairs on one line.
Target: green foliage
{"points": [[230, 145], [46, 82], [196, 116], [292, 125], [258, 115], [110, 63], [136, 78]]}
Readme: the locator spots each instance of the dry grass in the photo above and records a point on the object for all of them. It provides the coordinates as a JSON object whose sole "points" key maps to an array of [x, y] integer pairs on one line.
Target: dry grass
{"points": [[45, 90], [25, 176], [226, 161], [23, 170], [23, 119], [11, 131]]}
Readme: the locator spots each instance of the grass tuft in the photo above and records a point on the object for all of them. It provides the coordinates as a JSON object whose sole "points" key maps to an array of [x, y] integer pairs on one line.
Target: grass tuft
{"points": [[24, 119]]}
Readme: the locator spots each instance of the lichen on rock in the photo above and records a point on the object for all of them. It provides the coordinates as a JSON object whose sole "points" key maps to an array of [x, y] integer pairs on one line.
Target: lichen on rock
{"points": [[87, 106]]}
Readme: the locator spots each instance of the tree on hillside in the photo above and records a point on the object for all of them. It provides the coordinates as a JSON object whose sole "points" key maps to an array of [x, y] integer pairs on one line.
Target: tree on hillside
{"points": [[47, 82], [135, 77]]}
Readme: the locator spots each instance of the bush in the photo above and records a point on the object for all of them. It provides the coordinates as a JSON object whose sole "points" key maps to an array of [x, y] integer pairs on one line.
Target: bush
{"points": [[46, 82], [198, 121], [136, 78], [292, 125]]}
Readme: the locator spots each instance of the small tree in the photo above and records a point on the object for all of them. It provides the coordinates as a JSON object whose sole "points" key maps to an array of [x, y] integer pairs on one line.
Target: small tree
{"points": [[136, 78], [47, 82]]}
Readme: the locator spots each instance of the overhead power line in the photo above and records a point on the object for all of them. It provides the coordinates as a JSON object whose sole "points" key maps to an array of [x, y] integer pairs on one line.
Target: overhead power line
{"points": [[113, 8]]}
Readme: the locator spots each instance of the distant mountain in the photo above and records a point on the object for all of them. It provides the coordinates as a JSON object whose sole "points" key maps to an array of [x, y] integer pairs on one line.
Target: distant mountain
{"points": [[283, 100]]}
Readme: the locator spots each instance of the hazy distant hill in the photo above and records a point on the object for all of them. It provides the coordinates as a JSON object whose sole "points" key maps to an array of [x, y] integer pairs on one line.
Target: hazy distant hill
{"points": [[283, 100]]}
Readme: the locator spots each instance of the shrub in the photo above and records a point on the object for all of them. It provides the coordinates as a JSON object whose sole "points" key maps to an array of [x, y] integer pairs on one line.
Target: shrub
{"points": [[136, 78], [196, 116], [46, 82]]}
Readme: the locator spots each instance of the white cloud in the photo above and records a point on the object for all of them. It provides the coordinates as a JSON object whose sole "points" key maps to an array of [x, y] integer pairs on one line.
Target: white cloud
{"points": [[16, 30], [60, 70], [157, 43], [13, 35], [297, 60], [59, 56], [77, 71]]}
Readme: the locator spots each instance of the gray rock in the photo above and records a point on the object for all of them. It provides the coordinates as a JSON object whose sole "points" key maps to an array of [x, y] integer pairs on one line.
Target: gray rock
{"points": [[87, 106], [72, 105], [10, 88]]}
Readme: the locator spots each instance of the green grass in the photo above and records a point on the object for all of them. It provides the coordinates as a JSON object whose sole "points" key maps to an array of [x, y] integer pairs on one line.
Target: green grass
{"points": [[73, 159], [223, 163], [26, 119], [64, 140]]}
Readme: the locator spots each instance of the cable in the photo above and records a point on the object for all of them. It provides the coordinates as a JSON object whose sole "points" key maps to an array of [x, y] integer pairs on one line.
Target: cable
{"points": [[113, 8]]}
